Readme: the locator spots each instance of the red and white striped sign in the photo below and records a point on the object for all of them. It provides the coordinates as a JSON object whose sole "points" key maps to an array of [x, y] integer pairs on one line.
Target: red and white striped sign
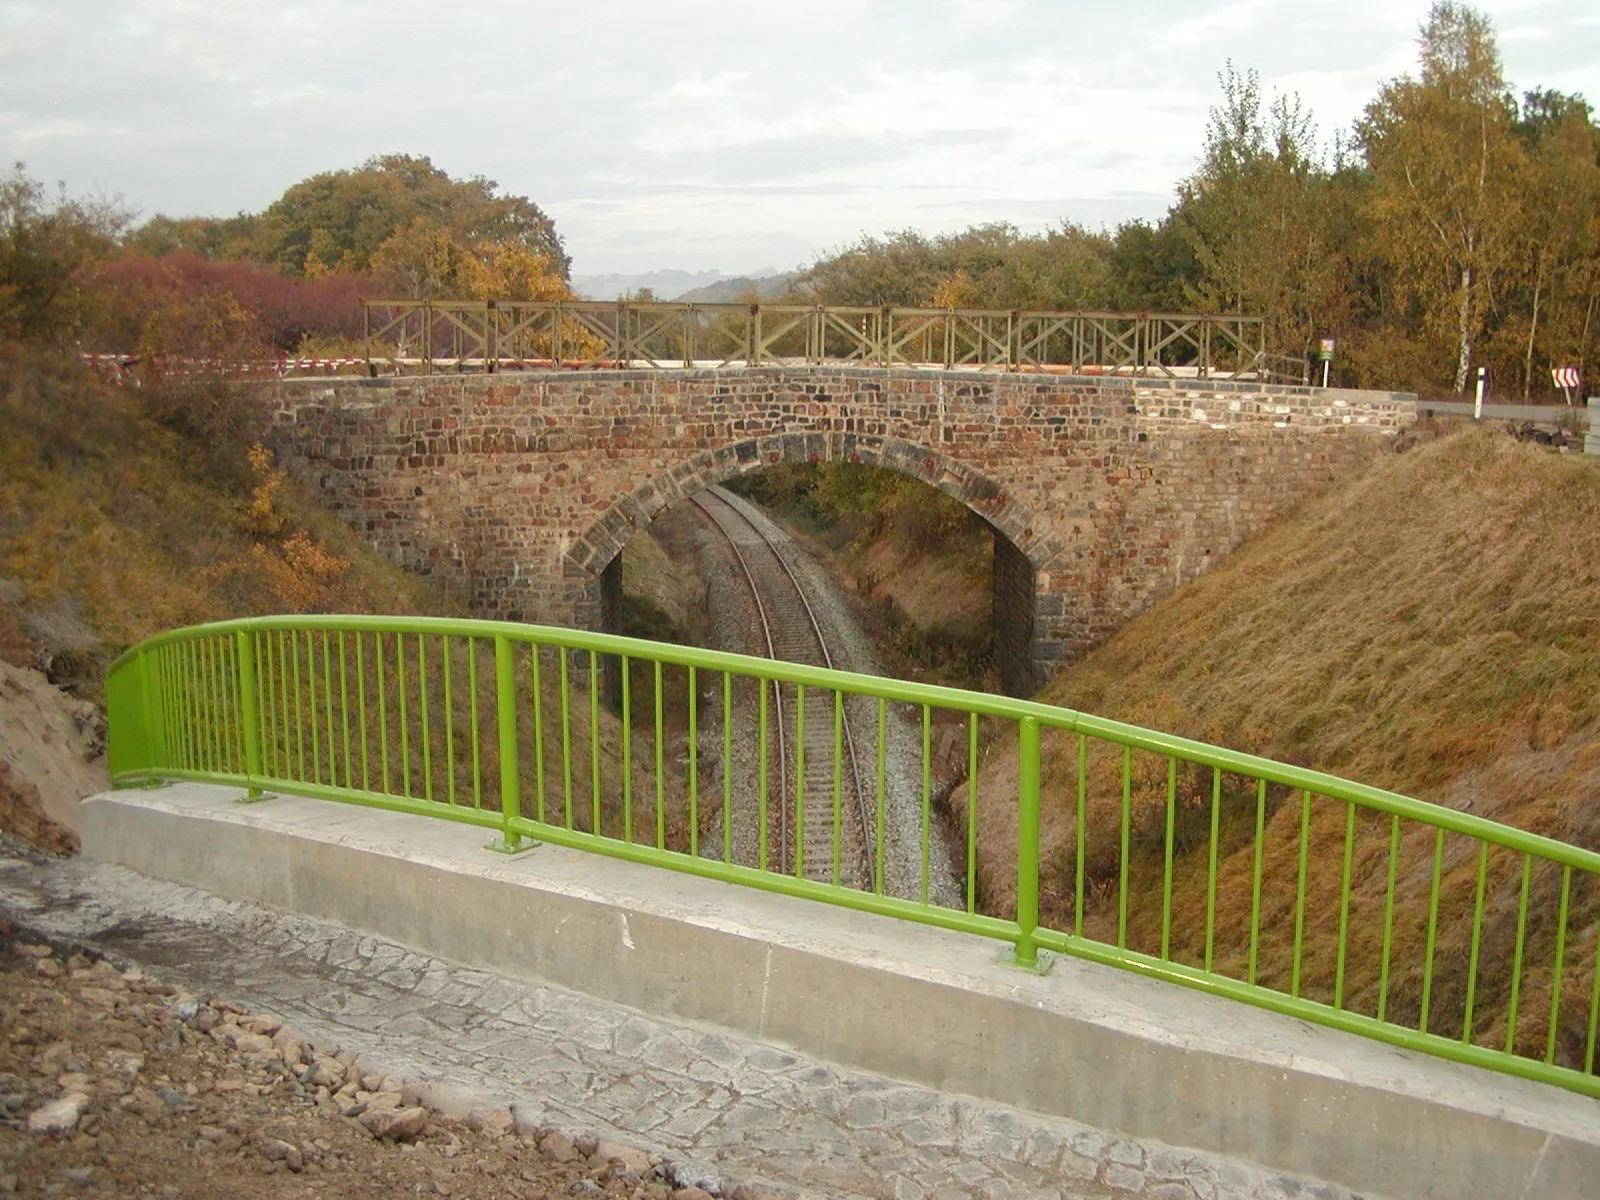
{"points": [[1565, 377]]}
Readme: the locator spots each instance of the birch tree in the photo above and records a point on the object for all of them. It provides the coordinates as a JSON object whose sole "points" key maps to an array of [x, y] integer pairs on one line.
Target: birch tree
{"points": [[1447, 169]]}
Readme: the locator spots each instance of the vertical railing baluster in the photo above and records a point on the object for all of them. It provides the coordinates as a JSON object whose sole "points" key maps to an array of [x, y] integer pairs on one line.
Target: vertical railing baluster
{"points": [[473, 723], [261, 649], [1388, 917], [594, 745], [249, 719], [344, 707], [925, 827], [311, 704], [971, 890], [626, 735], [1558, 975], [1433, 929], [799, 781], [327, 705], [536, 702], [761, 778], [881, 790], [505, 691], [446, 670], [1166, 862], [727, 767], [661, 777], [1082, 799], [1477, 938], [1211, 866], [1027, 952], [838, 788], [1516, 956], [403, 713], [1300, 893], [425, 716], [381, 677], [1255, 881], [564, 671], [361, 711], [692, 687], [1344, 902], [1594, 1010], [1122, 869]]}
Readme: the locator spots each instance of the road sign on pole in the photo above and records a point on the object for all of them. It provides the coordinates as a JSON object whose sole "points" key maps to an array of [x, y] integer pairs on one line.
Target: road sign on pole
{"points": [[1325, 354], [1565, 378]]}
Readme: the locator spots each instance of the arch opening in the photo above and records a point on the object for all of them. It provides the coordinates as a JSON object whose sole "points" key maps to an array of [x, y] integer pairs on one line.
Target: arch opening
{"points": [[1013, 648]]}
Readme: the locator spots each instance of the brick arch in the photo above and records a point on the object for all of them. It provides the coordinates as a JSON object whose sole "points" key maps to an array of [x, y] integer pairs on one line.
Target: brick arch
{"points": [[610, 533], [1022, 544]]}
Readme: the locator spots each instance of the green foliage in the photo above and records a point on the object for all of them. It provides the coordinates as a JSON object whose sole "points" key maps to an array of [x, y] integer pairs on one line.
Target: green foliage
{"points": [[1447, 177], [1261, 216], [45, 245], [339, 220], [986, 266]]}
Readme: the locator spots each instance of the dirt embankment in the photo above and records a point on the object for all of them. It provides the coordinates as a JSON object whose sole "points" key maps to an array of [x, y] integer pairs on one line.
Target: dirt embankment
{"points": [[1432, 628], [52, 744]]}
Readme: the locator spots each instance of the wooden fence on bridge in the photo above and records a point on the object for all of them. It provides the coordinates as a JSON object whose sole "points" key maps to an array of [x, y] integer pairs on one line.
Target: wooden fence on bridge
{"points": [[486, 335]]}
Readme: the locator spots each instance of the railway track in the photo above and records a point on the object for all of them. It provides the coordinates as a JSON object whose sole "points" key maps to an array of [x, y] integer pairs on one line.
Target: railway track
{"points": [[821, 809]]}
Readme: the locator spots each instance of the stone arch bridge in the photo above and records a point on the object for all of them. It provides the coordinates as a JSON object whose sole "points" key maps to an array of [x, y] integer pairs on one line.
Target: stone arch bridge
{"points": [[520, 491]]}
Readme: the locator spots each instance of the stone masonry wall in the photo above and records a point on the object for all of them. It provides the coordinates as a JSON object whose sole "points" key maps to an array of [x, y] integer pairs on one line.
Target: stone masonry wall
{"points": [[518, 490]]}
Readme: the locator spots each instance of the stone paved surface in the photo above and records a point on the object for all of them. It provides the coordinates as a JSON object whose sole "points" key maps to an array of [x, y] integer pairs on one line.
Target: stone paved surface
{"points": [[753, 1113]]}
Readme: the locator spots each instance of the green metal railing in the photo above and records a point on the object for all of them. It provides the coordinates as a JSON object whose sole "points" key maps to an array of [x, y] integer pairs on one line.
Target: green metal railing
{"points": [[1271, 884]]}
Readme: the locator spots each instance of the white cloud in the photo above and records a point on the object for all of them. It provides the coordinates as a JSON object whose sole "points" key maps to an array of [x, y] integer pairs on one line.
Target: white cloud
{"points": [[704, 133]]}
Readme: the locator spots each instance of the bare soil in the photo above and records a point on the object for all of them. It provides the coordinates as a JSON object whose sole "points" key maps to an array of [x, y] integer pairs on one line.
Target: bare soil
{"points": [[183, 1097]]}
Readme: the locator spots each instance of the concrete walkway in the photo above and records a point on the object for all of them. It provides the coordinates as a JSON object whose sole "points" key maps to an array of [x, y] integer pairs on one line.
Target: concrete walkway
{"points": [[753, 1113]]}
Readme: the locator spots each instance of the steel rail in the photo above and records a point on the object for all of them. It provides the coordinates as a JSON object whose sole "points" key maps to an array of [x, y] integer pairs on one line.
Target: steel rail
{"points": [[777, 690], [733, 504], [736, 503]]}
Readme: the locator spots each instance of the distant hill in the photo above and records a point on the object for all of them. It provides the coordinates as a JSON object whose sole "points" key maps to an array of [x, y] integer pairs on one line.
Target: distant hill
{"points": [[729, 291], [703, 286], [666, 285]]}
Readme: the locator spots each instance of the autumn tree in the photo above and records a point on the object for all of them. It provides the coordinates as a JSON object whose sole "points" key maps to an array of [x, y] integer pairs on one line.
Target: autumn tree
{"points": [[46, 243], [1260, 215], [1447, 177], [1556, 240], [339, 220]]}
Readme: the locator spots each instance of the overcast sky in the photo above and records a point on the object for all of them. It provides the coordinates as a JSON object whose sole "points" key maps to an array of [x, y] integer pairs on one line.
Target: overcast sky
{"points": [[697, 134]]}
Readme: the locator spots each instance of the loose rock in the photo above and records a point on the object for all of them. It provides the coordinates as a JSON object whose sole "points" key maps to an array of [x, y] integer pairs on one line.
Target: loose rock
{"points": [[59, 1116], [397, 1124], [631, 1158]]}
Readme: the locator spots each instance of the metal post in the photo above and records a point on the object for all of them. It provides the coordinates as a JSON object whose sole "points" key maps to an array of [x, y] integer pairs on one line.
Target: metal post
{"points": [[505, 693], [244, 644], [1027, 953]]}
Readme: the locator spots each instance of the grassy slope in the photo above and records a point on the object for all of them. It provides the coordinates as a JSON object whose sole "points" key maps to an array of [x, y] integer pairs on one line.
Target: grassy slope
{"points": [[115, 525], [115, 518], [1433, 628]]}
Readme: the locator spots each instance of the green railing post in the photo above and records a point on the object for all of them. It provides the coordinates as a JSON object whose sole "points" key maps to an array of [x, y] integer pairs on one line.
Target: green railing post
{"points": [[505, 694], [244, 643], [1027, 953]]}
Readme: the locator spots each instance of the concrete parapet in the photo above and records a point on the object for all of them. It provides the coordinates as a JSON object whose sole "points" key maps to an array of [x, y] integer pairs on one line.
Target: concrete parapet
{"points": [[1126, 1054]]}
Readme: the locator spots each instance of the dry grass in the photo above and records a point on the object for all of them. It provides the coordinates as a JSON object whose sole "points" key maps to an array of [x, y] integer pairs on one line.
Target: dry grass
{"points": [[137, 528], [1432, 628], [122, 520]]}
